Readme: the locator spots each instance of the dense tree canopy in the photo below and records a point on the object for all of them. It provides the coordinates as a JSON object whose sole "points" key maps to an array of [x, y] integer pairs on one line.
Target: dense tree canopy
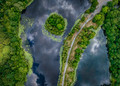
{"points": [[110, 17], [13, 63], [112, 31], [55, 24], [99, 18]]}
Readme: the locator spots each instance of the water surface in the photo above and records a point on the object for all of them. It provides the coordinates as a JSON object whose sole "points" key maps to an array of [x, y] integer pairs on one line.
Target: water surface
{"points": [[45, 51], [94, 65], [93, 69]]}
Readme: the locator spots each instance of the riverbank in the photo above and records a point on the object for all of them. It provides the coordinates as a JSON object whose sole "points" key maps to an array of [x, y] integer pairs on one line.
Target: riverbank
{"points": [[55, 34], [74, 46], [111, 29], [78, 48], [14, 62], [108, 17]]}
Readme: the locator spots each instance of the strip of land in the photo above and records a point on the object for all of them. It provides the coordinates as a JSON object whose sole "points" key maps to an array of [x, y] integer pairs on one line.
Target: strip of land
{"points": [[73, 46]]}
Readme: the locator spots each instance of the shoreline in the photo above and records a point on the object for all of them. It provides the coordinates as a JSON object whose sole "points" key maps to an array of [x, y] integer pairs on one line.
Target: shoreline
{"points": [[16, 62], [72, 49]]}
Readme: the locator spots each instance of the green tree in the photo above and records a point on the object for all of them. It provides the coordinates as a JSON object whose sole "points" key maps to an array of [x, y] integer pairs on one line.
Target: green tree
{"points": [[105, 9]]}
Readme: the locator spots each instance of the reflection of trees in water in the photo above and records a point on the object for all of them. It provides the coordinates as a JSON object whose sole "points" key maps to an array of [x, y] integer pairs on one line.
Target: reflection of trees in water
{"points": [[93, 68], [49, 61]]}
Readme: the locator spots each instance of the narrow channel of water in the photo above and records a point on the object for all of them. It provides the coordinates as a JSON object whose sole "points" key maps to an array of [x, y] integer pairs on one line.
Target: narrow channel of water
{"points": [[45, 51], [93, 69]]}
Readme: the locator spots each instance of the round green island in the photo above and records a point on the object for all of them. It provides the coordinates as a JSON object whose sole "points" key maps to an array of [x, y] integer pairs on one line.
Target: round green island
{"points": [[55, 24]]}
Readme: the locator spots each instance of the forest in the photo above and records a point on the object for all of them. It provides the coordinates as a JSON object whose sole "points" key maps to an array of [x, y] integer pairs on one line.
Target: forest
{"points": [[55, 24], [110, 18], [14, 65]]}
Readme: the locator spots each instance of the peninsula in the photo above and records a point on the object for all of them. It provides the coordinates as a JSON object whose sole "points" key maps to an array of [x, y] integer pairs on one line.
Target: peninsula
{"points": [[77, 41]]}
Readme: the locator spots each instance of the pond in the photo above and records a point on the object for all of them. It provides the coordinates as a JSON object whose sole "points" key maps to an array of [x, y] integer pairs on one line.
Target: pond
{"points": [[45, 51]]}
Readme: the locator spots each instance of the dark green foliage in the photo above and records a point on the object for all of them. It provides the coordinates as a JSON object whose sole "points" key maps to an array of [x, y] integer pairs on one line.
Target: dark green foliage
{"points": [[105, 9], [85, 35], [93, 6], [99, 19], [13, 65], [110, 4], [55, 24], [77, 53], [75, 28], [112, 31], [110, 15], [83, 19]]}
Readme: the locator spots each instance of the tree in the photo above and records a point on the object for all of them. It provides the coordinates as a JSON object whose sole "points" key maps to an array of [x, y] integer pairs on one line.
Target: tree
{"points": [[105, 9], [99, 18]]}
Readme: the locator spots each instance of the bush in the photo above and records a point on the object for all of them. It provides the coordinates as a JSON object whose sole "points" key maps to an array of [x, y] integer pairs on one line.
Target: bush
{"points": [[83, 19], [93, 6], [105, 9], [99, 19]]}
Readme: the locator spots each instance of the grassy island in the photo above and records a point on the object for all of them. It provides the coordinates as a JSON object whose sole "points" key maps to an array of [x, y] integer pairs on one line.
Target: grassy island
{"points": [[55, 24], [14, 60]]}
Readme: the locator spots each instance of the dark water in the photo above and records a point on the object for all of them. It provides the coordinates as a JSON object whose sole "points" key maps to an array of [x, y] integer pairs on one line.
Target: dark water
{"points": [[93, 69], [45, 51]]}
